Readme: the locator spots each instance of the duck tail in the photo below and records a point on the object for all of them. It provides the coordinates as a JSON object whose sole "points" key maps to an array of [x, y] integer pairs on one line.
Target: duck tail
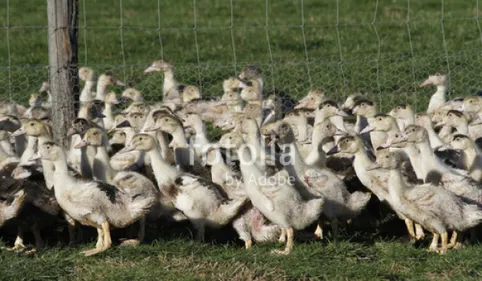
{"points": [[227, 211], [358, 200], [472, 215]]}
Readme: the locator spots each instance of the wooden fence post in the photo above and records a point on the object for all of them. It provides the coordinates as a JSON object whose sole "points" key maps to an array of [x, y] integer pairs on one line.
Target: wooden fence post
{"points": [[63, 71]]}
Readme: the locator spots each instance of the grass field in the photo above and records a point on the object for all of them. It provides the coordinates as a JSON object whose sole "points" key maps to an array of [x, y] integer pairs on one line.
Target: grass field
{"points": [[359, 254], [386, 60]]}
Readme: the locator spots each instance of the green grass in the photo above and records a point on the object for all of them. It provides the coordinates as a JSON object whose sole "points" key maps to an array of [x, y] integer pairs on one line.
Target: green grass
{"points": [[172, 255], [388, 67], [386, 60]]}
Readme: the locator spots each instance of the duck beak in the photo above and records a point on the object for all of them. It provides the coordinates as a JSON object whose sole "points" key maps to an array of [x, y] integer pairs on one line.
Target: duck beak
{"points": [[384, 145], [44, 88], [151, 69], [119, 83], [301, 103], [443, 147], [18, 132], [81, 144], [426, 83], [354, 110], [128, 148], [367, 129], [242, 85], [373, 166], [123, 124], [35, 157], [339, 132], [100, 115], [333, 150], [71, 132]]}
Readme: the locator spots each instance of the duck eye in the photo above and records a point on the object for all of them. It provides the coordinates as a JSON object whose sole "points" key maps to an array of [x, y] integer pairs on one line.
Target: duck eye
{"points": [[140, 139], [386, 156], [379, 119], [32, 124]]}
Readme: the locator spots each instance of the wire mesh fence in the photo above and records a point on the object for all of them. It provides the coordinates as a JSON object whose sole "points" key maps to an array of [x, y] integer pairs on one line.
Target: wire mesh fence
{"points": [[382, 49]]}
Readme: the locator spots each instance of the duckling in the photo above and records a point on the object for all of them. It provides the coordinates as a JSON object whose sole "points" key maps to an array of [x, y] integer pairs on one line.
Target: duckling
{"points": [[92, 113], [457, 120], [252, 91], [43, 133], [281, 202], [231, 84], [102, 170], [472, 158], [6, 148], [436, 209], [339, 203], [252, 73], [424, 121], [103, 82], [94, 203], [433, 170], [199, 199], [171, 89], [86, 74], [199, 141], [329, 109], [438, 99], [132, 95], [379, 127], [250, 224], [109, 119], [312, 100], [375, 180], [11, 123], [8, 107], [45, 88], [35, 108], [80, 160], [184, 154], [302, 130], [404, 115], [137, 107]]}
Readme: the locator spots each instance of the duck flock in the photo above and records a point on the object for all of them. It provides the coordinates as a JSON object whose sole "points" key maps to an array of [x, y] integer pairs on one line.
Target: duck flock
{"points": [[279, 166]]}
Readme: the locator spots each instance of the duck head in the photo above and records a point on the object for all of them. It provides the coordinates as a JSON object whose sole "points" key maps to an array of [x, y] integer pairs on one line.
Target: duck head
{"points": [[140, 142], [159, 66], [381, 123], [437, 79], [92, 137], [33, 128], [86, 74]]}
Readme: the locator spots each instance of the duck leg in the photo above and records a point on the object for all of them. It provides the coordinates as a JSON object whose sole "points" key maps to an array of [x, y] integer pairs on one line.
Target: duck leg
{"points": [[290, 234], [200, 232], [434, 245], [18, 245], [282, 236], [319, 229], [107, 238], [411, 232], [334, 228], [100, 239], [39, 243], [419, 233], [140, 234], [453, 240], [444, 236]]}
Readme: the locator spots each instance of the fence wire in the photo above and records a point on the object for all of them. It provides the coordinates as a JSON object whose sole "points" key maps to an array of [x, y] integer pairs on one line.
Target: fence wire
{"points": [[377, 48]]}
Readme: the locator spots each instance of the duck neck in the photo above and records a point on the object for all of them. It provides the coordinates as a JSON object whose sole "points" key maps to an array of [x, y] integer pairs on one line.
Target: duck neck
{"points": [[86, 94], [292, 157], [179, 138], [360, 163], [430, 160], [29, 151], [462, 128], [169, 81], [302, 127], [396, 186], [469, 158], [103, 157], [414, 155], [101, 86], [61, 173], [435, 140], [438, 99], [164, 173]]}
